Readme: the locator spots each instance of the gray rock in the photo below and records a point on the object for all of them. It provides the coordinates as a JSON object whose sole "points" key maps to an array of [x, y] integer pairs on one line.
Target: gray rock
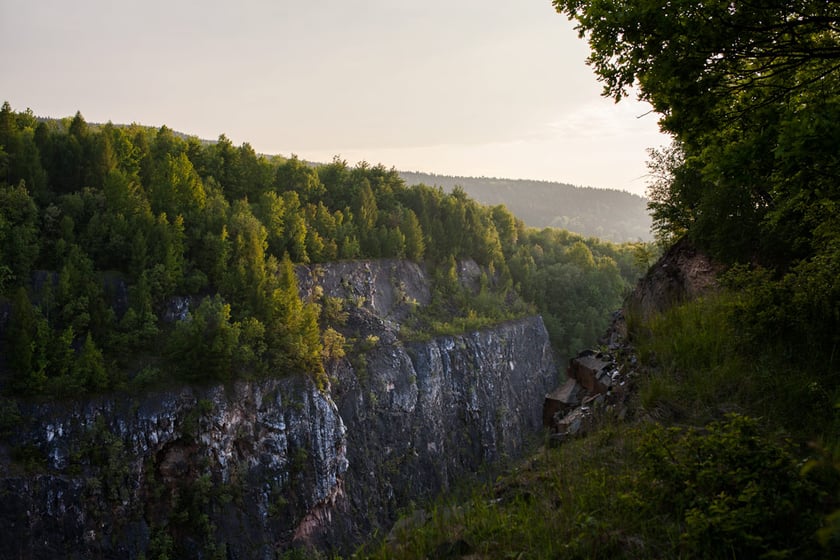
{"points": [[277, 463]]}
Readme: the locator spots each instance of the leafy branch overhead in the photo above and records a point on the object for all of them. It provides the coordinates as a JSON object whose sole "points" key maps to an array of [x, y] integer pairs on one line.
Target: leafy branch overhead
{"points": [[689, 58], [749, 92]]}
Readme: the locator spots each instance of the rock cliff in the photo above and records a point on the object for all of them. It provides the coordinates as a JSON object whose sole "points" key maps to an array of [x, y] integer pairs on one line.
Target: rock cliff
{"points": [[683, 273], [248, 469]]}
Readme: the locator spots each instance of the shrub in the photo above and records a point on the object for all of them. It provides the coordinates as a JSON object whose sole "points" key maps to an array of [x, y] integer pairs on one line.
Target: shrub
{"points": [[736, 492]]}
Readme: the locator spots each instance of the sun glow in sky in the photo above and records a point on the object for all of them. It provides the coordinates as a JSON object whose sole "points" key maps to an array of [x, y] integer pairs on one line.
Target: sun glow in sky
{"points": [[495, 88]]}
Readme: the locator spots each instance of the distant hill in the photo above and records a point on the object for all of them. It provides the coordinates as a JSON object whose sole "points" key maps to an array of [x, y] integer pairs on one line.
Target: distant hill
{"points": [[609, 214]]}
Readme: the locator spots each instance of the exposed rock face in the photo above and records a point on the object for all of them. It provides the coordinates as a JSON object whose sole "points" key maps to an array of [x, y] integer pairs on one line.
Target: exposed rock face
{"points": [[682, 274], [116, 467], [260, 466], [423, 414], [430, 413], [387, 289]]}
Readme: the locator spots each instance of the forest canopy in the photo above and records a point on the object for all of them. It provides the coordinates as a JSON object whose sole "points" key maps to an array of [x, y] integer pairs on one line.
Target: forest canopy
{"points": [[103, 228], [608, 214]]}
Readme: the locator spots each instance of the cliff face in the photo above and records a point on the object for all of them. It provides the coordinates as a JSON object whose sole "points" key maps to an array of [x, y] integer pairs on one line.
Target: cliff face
{"points": [[432, 412], [117, 468], [683, 273], [254, 467]]}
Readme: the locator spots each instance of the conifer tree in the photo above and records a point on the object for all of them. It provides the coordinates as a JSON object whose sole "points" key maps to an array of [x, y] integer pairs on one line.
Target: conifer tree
{"points": [[89, 368], [23, 345]]}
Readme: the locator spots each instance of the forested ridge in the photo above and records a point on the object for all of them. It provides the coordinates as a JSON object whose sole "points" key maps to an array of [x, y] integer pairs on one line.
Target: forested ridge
{"points": [[608, 214], [103, 228]]}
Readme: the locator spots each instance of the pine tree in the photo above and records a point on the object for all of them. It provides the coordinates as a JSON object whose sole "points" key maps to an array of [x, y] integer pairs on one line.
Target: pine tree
{"points": [[89, 368], [23, 345]]}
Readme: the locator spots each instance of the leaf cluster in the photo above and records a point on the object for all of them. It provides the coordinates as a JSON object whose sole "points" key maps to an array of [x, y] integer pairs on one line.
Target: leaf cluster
{"points": [[735, 491]]}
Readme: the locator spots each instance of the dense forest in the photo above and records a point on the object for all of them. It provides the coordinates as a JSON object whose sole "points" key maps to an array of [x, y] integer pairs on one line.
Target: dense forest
{"points": [[732, 448], [608, 214], [103, 228]]}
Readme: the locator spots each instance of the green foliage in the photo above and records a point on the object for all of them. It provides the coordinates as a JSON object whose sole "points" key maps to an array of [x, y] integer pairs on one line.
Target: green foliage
{"points": [[707, 358], [176, 187], [89, 367], [705, 483], [250, 356], [139, 326], [750, 94], [798, 313], [457, 308], [23, 348], [333, 344], [114, 210], [826, 465], [574, 282], [204, 345], [101, 457], [415, 245], [149, 376], [246, 267], [333, 311], [716, 52], [292, 331], [725, 490], [18, 233], [161, 545], [736, 492], [10, 418], [295, 175], [29, 458]]}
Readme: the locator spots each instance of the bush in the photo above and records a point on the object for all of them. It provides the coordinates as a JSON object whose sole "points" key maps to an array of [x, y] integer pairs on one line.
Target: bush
{"points": [[204, 345], [736, 492]]}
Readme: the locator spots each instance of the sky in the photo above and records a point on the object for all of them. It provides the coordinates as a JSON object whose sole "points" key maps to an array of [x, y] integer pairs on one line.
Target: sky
{"points": [[495, 88]]}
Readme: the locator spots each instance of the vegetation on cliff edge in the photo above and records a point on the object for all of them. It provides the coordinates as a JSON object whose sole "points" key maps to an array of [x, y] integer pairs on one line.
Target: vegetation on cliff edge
{"points": [[127, 252]]}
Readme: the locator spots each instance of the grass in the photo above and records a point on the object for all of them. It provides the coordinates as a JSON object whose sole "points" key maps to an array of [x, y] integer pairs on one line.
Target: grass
{"points": [[576, 501], [701, 366]]}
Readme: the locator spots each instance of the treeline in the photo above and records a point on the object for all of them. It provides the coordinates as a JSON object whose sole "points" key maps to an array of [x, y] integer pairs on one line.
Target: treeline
{"points": [[608, 214], [103, 227]]}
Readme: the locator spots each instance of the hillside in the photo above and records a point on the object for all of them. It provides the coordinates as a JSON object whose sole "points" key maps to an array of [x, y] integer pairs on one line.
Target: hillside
{"points": [[248, 468], [609, 214]]}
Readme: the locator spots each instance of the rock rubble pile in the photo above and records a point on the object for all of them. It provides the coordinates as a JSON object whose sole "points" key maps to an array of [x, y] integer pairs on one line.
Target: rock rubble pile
{"points": [[598, 382]]}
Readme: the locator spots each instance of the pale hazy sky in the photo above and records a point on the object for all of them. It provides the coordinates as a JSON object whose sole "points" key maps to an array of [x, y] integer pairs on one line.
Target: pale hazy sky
{"points": [[495, 88]]}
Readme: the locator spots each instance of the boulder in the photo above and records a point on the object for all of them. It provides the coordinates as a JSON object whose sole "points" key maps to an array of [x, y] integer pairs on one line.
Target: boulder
{"points": [[683, 273], [562, 399], [592, 370]]}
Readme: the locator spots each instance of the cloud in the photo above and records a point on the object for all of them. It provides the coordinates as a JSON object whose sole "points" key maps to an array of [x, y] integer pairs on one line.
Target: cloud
{"points": [[603, 118]]}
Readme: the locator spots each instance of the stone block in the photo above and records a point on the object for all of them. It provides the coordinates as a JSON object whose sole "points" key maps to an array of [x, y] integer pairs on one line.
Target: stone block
{"points": [[562, 399]]}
